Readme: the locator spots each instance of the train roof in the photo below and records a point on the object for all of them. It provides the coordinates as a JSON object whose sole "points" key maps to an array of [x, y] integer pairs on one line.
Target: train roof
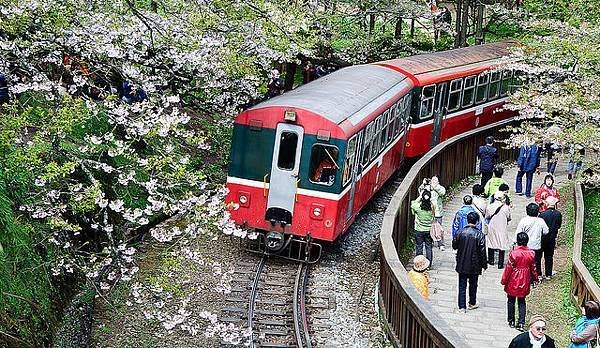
{"points": [[430, 62], [340, 94]]}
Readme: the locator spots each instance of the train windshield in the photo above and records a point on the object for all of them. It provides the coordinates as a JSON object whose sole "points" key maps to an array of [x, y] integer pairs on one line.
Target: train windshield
{"points": [[323, 164], [287, 150]]}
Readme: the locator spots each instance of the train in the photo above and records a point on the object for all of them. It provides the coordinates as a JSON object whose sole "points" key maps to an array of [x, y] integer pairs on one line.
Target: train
{"points": [[303, 164]]}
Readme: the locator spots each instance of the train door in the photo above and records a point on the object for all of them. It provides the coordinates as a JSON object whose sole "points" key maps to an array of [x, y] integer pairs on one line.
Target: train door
{"points": [[439, 112], [354, 166], [284, 173]]}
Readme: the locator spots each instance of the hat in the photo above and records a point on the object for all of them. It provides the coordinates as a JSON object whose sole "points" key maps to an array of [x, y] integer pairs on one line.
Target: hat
{"points": [[551, 201], [498, 196], [535, 318], [420, 263]]}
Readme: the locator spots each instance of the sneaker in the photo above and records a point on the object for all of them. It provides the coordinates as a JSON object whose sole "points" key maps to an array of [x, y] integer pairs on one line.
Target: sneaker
{"points": [[442, 248], [520, 327], [511, 324], [519, 193], [475, 306], [462, 310]]}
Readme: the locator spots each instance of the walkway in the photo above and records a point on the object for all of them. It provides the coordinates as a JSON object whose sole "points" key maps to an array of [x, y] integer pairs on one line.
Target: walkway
{"points": [[487, 325]]}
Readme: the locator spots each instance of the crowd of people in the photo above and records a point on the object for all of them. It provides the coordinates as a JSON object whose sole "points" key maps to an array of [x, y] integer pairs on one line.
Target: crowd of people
{"points": [[480, 231]]}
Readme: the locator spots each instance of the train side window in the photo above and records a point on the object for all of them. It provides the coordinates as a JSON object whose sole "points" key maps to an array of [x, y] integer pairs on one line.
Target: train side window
{"points": [[482, 87], [367, 143], [520, 78], [349, 163], [469, 91], [506, 81], [287, 150], [387, 116], [377, 138], [398, 107], [427, 101], [495, 85], [455, 94], [323, 164], [391, 123]]}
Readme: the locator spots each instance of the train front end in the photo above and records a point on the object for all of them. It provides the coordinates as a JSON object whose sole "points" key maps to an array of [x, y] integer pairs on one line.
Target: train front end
{"points": [[285, 179]]}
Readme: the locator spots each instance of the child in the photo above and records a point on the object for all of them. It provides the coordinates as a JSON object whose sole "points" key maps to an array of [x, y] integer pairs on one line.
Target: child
{"points": [[419, 275]]}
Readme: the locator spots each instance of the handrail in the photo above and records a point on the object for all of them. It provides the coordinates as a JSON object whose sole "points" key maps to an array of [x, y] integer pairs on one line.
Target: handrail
{"points": [[410, 319], [583, 286]]}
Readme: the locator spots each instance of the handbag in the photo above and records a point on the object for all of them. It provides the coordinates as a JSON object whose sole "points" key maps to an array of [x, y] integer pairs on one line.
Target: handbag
{"points": [[436, 232]]}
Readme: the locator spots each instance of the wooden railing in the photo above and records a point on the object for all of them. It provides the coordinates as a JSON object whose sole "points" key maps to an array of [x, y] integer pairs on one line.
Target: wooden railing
{"points": [[410, 320], [583, 286]]}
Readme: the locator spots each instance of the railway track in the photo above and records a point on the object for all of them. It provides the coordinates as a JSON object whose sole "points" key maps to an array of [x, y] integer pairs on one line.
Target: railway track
{"points": [[270, 296]]}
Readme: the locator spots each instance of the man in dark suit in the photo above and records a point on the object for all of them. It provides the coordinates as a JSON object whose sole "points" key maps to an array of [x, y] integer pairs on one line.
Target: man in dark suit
{"points": [[471, 258], [553, 219]]}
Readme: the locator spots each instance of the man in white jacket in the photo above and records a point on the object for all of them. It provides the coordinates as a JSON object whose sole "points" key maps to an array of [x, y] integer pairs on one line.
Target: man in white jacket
{"points": [[535, 227]]}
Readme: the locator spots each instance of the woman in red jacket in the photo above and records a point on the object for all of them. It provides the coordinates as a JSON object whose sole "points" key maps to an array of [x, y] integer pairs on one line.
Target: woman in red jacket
{"points": [[516, 278], [546, 190]]}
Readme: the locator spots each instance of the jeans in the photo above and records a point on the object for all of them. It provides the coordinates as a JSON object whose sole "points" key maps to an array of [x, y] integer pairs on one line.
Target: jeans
{"points": [[548, 246], [491, 254], [572, 167], [538, 261], [462, 289], [421, 238], [552, 166], [485, 176], [528, 180], [511, 309]]}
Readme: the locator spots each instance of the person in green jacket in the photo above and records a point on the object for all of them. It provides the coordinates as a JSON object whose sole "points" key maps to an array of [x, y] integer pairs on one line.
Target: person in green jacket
{"points": [[437, 193], [494, 183], [422, 209]]}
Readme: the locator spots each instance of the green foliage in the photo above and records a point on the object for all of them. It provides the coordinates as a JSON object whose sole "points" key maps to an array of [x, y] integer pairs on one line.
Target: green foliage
{"points": [[26, 293], [590, 253]]}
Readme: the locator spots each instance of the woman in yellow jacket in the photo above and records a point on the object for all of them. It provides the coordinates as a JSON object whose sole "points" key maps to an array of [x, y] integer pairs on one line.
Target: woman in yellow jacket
{"points": [[419, 275]]}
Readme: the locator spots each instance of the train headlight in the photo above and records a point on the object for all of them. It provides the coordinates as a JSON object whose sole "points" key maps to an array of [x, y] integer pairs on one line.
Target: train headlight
{"points": [[317, 211], [244, 198]]}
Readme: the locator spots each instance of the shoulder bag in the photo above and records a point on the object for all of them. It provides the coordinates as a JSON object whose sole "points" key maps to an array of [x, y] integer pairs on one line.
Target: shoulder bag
{"points": [[436, 232]]}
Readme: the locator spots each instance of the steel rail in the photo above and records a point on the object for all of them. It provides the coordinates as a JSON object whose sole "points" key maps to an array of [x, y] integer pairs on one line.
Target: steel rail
{"points": [[252, 300], [300, 319]]}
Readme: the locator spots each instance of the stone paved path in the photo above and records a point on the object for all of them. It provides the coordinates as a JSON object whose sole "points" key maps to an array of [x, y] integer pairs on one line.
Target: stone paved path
{"points": [[486, 326]]}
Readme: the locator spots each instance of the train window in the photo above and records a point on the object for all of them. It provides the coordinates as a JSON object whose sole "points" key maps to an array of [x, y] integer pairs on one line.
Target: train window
{"points": [[367, 143], [287, 150], [455, 94], [506, 82], [391, 123], [469, 91], [350, 159], [323, 164], [519, 79], [377, 138], [427, 101], [494, 85], [482, 87]]}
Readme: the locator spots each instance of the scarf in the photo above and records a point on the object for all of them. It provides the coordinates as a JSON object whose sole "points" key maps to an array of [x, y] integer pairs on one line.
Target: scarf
{"points": [[580, 325], [535, 342]]}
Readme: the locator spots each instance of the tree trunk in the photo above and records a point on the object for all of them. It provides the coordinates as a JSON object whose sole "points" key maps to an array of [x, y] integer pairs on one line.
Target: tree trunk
{"points": [[398, 29], [479, 38], [412, 28], [153, 6], [457, 24], [290, 73], [464, 23], [371, 23]]}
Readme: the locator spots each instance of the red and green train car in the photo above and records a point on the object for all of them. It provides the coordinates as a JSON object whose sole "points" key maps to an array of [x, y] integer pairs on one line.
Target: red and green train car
{"points": [[304, 164]]}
